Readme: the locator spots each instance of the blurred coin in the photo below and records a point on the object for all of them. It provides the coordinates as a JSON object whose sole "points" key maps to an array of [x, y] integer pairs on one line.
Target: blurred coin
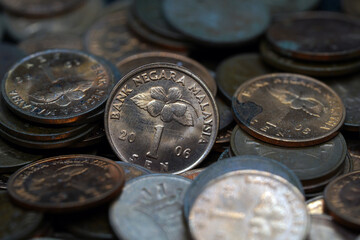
{"points": [[215, 23], [150, 207], [286, 6], [163, 117], [236, 70], [57, 86], [66, 183], [271, 208], [3, 181], [192, 174], [316, 36], [315, 205], [288, 109], [354, 151], [224, 155], [10, 54], [351, 6]]}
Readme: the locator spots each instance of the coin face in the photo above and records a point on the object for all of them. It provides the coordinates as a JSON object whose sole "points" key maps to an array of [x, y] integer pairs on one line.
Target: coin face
{"points": [[271, 209], [316, 36], [342, 199], [64, 183], [57, 86], [288, 109], [162, 117], [315, 205]]}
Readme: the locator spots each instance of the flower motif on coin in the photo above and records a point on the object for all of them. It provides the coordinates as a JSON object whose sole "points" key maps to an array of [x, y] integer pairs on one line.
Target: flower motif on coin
{"points": [[169, 106]]}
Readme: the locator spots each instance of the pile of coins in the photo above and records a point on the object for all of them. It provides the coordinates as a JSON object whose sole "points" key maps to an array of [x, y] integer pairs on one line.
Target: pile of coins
{"points": [[179, 120]]}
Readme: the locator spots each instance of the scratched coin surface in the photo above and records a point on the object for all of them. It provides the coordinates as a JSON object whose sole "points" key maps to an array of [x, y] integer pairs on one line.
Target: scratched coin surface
{"points": [[316, 36], [150, 207], [66, 183], [288, 109], [162, 117], [271, 208], [57, 86], [342, 199]]}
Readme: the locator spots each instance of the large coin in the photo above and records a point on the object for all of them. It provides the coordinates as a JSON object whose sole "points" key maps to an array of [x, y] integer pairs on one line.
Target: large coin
{"points": [[163, 117], [229, 22], [316, 36], [57, 86], [342, 199], [64, 183], [288, 109], [249, 204], [150, 207]]}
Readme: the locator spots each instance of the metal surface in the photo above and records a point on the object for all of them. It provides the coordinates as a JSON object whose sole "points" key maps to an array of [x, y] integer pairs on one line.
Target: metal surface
{"points": [[132, 170], [315, 205], [192, 174]]}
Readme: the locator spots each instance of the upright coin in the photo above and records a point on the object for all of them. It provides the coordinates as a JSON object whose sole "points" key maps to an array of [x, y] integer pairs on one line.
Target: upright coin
{"points": [[288, 109], [64, 183], [162, 117], [57, 86], [342, 199], [150, 207], [316, 36], [271, 208]]}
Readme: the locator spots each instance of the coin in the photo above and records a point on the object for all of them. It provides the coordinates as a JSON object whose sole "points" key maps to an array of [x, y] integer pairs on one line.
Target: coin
{"points": [[162, 117], [271, 209], [137, 60], [316, 69], [192, 174], [288, 109], [354, 151], [132, 170], [351, 7], [315, 205], [3, 181], [150, 207], [66, 183], [10, 54], [225, 154], [218, 24], [286, 6], [225, 115], [95, 136], [14, 219], [316, 36], [342, 199], [57, 86]]}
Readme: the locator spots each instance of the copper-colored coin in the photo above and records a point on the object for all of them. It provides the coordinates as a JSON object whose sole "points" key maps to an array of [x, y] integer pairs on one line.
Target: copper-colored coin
{"points": [[192, 174], [342, 199], [315, 205], [57, 86], [316, 36], [65, 183], [163, 117], [288, 109]]}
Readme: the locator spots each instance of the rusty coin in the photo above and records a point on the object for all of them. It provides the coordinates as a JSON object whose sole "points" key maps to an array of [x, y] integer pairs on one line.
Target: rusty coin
{"points": [[163, 117], [288, 109]]}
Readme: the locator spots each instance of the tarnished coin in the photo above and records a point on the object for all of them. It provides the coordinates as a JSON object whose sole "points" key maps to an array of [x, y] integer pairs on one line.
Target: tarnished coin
{"points": [[132, 170], [192, 174], [217, 23], [249, 204], [316, 36], [16, 223], [308, 163], [162, 117], [137, 60], [64, 183], [342, 199], [150, 207], [351, 6], [288, 109], [316, 205], [57, 86], [234, 71], [10, 54]]}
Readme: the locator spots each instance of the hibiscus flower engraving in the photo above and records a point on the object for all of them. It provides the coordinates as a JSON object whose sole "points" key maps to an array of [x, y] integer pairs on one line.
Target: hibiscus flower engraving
{"points": [[168, 106]]}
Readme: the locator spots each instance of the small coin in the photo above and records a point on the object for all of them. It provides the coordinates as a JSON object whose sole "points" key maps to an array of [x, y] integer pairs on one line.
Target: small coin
{"points": [[316, 36], [16, 223], [66, 183], [223, 211], [234, 71], [192, 174], [218, 24], [351, 7], [315, 205], [10, 54], [57, 86], [342, 199], [132, 170], [288, 109], [162, 117], [137, 60], [150, 207]]}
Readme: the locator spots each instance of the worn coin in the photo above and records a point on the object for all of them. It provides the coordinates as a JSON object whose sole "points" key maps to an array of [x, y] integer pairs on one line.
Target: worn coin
{"points": [[133, 170], [217, 23], [351, 7], [163, 117], [272, 208], [342, 199], [150, 207], [192, 174], [234, 71], [57, 86], [288, 109], [316, 36], [10, 54], [315, 205], [137, 60], [64, 183]]}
